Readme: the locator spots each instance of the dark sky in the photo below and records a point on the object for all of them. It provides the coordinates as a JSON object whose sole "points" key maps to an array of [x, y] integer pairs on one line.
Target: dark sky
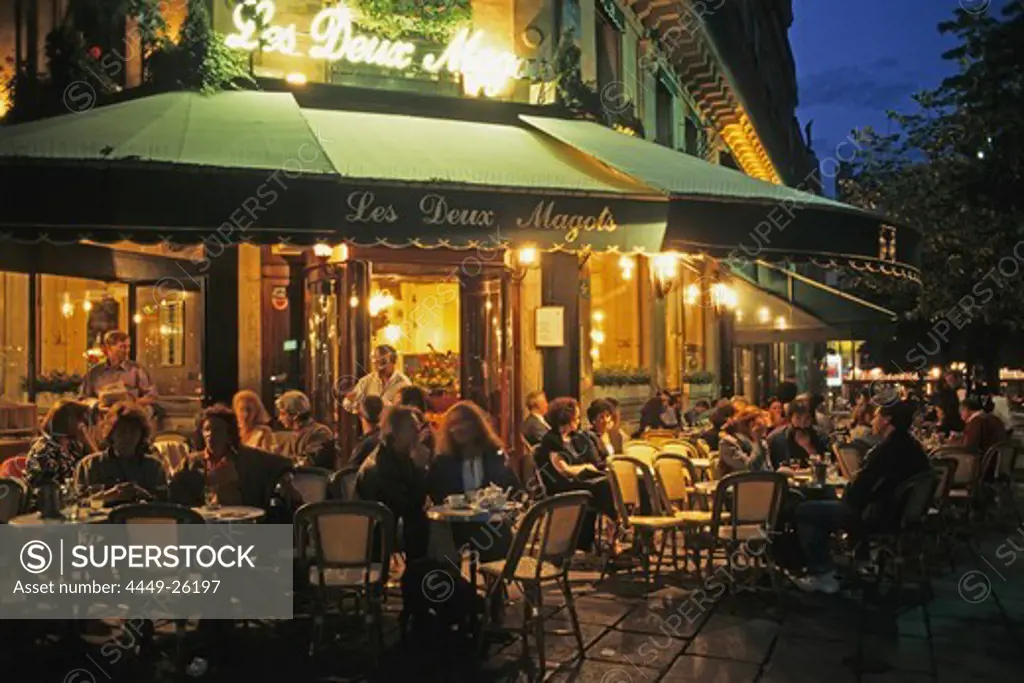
{"points": [[856, 59]]}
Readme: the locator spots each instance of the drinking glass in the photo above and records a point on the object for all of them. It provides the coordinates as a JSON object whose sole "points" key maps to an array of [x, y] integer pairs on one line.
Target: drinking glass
{"points": [[95, 502], [210, 495]]}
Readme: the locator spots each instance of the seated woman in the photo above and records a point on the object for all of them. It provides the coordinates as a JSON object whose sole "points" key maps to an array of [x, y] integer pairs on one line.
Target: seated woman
{"points": [[416, 397], [564, 467], [390, 476], [64, 442], [237, 474], [123, 471], [471, 455], [253, 419], [616, 435], [370, 410], [776, 414], [742, 447], [601, 415], [312, 444]]}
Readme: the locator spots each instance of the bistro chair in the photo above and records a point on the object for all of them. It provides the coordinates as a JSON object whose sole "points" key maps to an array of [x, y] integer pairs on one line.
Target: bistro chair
{"points": [[640, 450], [905, 543], [312, 483], [675, 476], [551, 529], [13, 497], [745, 514], [849, 458], [657, 437], [342, 485], [350, 545], [939, 520], [995, 480], [625, 474], [168, 515], [172, 452], [680, 447]]}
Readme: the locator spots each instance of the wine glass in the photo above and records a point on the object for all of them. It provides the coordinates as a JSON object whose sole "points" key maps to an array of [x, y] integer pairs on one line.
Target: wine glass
{"points": [[210, 497]]}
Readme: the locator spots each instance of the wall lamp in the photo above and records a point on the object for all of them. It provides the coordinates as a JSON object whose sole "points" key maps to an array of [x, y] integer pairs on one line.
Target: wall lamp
{"points": [[522, 260], [664, 271]]}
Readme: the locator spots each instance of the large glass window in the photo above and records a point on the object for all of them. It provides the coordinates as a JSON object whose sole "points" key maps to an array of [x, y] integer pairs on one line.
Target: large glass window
{"points": [[169, 339], [685, 321], [665, 112], [615, 311], [419, 316], [14, 348], [609, 53]]}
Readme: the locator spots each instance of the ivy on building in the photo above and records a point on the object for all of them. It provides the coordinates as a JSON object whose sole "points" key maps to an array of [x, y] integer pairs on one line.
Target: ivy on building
{"points": [[432, 20], [583, 99]]}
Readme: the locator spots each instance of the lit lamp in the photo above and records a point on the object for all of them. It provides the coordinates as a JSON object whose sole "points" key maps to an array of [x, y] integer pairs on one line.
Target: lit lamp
{"points": [[723, 296], [665, 272], [627, 264], [691, 295], [763, 315], [523, 259], [322, 250]]}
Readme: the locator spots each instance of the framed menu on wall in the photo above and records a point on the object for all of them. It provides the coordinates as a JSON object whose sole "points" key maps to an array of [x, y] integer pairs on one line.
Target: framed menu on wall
{"points": [[550, 324]]}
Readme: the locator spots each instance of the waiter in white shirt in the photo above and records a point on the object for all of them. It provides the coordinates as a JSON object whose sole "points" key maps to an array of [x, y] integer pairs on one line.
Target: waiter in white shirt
{"points": [[385, 381]]}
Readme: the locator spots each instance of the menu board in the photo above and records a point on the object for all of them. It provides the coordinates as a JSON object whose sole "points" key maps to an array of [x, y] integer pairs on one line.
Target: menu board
{"points": [[550, 324], [833, 370]]}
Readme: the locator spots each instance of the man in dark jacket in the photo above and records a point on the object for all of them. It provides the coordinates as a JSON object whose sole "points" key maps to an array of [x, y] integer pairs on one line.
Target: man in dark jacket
{"points": [[794, 444], [870, 499], [535, 426], [788, 390]]}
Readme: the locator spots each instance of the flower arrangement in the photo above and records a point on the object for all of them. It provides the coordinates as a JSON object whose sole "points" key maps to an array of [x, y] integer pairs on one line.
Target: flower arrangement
{"points": [[54, 383], [701, 377], [621, 375], [439, 372]]}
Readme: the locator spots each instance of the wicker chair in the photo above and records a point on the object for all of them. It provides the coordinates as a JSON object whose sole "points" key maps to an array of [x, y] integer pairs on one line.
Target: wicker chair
{"points": [[13, 497], [551, 528], [674, 477], [312, 483]]}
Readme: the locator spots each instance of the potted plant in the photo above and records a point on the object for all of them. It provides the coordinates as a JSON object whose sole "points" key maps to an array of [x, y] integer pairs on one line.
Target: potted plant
{"points": [[623, 381], [439, 376], [701, 384]]}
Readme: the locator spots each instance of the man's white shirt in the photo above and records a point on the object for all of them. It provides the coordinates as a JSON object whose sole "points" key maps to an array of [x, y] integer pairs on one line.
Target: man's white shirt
{"points": [[373, 385]]}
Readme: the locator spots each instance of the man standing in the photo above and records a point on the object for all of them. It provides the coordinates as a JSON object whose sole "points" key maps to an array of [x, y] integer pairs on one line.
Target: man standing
{"points": [[535, 426], [385, 381], [118, 373]]}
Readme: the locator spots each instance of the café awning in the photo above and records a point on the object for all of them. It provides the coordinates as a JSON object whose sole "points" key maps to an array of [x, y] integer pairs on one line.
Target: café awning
{"points": [[258, 167], [725, 213]]}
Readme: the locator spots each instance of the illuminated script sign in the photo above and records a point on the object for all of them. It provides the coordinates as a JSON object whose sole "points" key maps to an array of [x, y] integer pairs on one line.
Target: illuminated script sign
{"points": [[334, 38]]}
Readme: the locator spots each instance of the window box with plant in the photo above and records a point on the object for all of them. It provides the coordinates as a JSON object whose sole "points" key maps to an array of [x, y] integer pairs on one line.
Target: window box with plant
{"points": [[700, 384], [623, 382]]}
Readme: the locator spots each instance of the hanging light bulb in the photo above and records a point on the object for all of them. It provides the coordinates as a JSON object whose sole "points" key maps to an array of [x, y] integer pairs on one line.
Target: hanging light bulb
{"points": [[598, 316], [67, 308], [137, 318], [763, 315], [691, 294], [86, 305], [597, 336], [627, 264]]}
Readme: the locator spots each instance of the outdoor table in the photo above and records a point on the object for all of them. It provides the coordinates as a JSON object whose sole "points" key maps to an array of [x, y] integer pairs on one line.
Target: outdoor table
{"points": [[447, 523], [702, 465], [227, 514]]}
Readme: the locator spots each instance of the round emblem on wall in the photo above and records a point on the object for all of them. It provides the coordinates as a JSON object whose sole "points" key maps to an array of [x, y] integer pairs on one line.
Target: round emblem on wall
{"points": [[279, 298]]}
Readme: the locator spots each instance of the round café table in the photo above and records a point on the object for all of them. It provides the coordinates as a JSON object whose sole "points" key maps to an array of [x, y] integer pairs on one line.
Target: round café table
{"points": [[227, 514]]}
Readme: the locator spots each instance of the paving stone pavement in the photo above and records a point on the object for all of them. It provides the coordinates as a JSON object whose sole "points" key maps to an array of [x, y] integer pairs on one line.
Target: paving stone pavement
{"points": [[971, 630]]}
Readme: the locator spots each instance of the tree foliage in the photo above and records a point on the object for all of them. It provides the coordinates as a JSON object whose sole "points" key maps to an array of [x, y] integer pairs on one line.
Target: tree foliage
{"points": [[953, 171]]}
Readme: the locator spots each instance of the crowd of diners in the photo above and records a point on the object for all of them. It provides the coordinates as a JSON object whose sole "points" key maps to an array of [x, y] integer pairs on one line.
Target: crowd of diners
{"points": [[408, 465]]}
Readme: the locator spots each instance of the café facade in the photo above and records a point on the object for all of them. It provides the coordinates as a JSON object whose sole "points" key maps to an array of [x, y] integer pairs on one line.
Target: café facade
{"points": [[421, 194]]}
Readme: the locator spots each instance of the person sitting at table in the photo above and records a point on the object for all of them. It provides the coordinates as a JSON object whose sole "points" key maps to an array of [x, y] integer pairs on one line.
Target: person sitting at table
{"points": [[253, 419], [653, 414], [982, 429], [124, 470], [860, 424], [776, 414], [600, 416], [719, 417], [313, 443], [795, 444], [471, 455], [742, 447], [869, 500], [535, 426], [698, 414], [389, 475], [616, 435], [370, 411], [236, 473], [416, 397], [564, 467], [64, 441]]}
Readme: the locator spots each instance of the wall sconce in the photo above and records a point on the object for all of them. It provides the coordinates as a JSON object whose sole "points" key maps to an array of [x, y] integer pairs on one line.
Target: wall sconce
{"points": [[627, 264], [780, 322], [322, 250], [523, 259], [665, 272], [723, 296], [764, 315]]}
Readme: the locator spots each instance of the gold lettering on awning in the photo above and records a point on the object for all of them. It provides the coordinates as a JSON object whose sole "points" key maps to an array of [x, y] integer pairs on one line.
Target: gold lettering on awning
{"points": [[544, 217]]}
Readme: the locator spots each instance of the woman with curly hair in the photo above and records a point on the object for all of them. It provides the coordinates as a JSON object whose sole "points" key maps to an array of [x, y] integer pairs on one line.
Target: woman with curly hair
{"points": [[471, 455], [253, 419], [64, 443], [123, 470]]}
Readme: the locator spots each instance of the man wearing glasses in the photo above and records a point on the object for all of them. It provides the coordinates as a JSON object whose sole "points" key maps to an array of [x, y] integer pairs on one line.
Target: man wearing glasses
{"points": [[384, 381]]}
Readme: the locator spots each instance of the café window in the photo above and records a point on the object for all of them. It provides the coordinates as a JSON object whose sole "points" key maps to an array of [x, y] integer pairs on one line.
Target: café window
{"points": [[609, 53], [614, 311], [418, 315], [169, 339], [14, 348], [172, 334], [686, 317]]}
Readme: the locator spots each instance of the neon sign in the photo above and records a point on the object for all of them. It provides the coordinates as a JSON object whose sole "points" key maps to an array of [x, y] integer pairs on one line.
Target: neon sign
{"points": [[333, 36]]}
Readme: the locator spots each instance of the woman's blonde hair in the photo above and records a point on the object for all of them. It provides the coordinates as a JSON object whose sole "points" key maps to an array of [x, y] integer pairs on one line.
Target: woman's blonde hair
{"points": [[745, 415], [249, 396]]}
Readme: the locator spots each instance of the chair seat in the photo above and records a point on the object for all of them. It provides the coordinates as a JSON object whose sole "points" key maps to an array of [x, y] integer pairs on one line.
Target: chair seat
{"points": [[959, 493], [342, 578], [693, 516], [652, 522], [525, 570]]}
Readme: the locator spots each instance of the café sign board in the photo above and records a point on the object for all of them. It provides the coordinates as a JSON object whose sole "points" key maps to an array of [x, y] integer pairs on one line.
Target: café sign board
{"points": [[333, 37]]}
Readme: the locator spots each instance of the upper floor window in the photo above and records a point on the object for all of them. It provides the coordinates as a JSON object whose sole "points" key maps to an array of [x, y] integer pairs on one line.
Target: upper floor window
{"points": [[609, 52], [665, 115]]}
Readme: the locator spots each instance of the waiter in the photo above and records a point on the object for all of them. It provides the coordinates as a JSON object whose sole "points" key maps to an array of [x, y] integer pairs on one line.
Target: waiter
{"points": [[119, 374], [385, 381]]}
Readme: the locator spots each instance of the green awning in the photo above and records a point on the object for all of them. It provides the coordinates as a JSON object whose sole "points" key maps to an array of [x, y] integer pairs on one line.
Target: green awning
{"points": [[813, 311], [179, 165], [726, 213]]}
